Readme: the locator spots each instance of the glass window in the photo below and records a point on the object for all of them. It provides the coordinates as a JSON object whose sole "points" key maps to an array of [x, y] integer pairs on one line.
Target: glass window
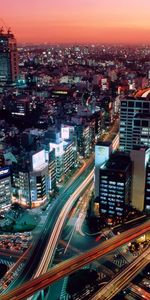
{"points": [[145, 105], [139, 104], [145, 123], [123, 103], [136, 122], [131, 103]]}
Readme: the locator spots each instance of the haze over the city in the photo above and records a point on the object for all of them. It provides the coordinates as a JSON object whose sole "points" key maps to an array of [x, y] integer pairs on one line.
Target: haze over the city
{"points": [[78, 21]]}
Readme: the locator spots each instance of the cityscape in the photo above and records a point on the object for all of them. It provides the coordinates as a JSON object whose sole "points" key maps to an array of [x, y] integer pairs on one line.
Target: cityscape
{"points": [[75, 150]]}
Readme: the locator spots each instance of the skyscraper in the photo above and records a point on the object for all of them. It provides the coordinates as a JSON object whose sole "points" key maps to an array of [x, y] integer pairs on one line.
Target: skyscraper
{"points": [[140, 178], [5, 186], [115, 187], [8, 58], [134, 121]]}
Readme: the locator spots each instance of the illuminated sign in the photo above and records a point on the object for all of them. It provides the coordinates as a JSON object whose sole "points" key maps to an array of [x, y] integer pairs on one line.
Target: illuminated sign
{"points": [[38, 160], [4, 172], [101, 154], [60, 92], [65, 133], [58, 149]]}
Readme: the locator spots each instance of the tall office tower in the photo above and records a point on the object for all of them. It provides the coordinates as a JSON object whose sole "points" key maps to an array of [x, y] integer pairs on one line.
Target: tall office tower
{"points": [[140, 181], [5, 186], [83, 139], [115, 187], [52, 170], [8, 58], [59, 156], [102, 154], [147, 188], [134, 121]]}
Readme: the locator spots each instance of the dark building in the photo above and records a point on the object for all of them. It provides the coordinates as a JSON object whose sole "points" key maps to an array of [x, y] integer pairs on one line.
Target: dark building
{"points": [[83, 139], [147, 188], [8, 58], [115, 187]]}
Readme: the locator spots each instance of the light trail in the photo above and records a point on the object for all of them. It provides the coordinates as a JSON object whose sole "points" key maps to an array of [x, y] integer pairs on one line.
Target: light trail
{"points": [[123, 278], [71, 265], [43, 266]]}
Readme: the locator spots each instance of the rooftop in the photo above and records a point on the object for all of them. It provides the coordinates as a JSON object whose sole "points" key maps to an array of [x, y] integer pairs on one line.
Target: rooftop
{"points": [[117, 161]]}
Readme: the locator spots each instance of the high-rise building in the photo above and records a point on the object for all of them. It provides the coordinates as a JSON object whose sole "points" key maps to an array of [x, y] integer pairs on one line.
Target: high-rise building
{"points": [[83, 139], [140, 181], [102, 154], [147, 188], [5, 186], [134, 121], [39, 186], [31, 180], [21, 186], [115, 187], [52, 170], [59, 155], [8, 58]]}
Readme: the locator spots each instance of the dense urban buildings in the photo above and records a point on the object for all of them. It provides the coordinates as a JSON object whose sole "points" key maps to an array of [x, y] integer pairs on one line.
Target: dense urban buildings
{"points": [[74, 149]]}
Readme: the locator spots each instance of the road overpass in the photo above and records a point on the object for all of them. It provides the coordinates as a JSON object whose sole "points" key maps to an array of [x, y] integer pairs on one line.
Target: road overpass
{"points": [[42, 252], [123, 278], [138, 292], [69, 266]]}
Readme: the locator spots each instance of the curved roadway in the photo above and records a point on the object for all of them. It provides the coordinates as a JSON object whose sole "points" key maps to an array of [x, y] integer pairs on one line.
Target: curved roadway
{"points": [[72, 265], [45, 243]]}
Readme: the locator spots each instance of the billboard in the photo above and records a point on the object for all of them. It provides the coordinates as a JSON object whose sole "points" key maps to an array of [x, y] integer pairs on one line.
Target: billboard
{"points": [[58, 148], [101, 154], [38, 159], [65, 133], [4, 172]]}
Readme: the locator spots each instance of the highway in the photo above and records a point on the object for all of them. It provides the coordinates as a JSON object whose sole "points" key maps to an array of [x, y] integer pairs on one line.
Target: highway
{"points": [[71, 265], [51, 246], [139, 292], [44, 248], [123, 278]]}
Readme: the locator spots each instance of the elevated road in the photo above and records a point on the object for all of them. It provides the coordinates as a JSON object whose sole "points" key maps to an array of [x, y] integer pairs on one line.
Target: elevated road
{"points": [[43, 250], [139, 292], [123, 278], [51, 246], [69, 266]]}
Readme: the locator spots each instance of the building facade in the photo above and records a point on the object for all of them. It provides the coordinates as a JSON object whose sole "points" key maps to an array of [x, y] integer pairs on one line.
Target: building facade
{"points": [[140, 181], [147, 189], [8, 58], [129, 120], [115, 187], [5, 187]]}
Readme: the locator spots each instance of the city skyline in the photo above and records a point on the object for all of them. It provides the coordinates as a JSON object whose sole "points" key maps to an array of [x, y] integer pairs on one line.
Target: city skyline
{"points": [[74, 150], [78, 21]]}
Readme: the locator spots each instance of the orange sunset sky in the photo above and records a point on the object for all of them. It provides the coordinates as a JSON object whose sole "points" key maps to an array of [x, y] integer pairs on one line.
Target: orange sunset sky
{"points": [[107, 21]]}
